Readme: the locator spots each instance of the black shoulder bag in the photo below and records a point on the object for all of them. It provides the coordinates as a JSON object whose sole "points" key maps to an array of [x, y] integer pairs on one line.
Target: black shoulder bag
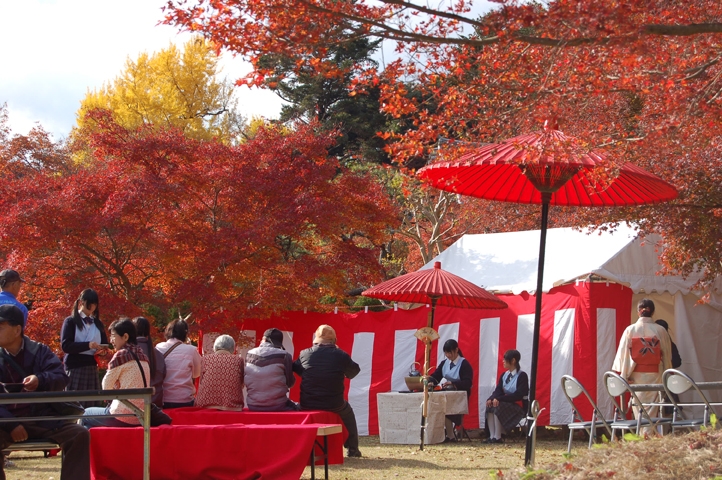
{"points": [[61, 408], [157, 416]]}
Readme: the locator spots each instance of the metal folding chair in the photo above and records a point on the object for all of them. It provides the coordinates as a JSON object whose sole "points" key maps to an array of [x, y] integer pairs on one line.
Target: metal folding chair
{"points": [[573, 389], [617, 387], [678, 382]]}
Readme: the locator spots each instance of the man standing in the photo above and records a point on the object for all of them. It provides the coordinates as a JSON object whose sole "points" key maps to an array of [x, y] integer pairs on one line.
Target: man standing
{"points": [[10, 283], [38, 369], [269, 375], [322, 369]]}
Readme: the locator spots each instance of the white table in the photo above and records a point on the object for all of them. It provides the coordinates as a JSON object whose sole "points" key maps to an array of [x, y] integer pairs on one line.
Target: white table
{"points": [[400, 415]]}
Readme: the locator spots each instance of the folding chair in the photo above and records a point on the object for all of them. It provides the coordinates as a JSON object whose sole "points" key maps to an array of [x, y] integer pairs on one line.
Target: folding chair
{"points": [[460, 432], [678, 382], [617, 387], [573, 389]]}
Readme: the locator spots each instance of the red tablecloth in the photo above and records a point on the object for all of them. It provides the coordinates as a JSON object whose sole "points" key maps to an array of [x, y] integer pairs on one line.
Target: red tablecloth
{"points": [[181, 452], [211, 416]]}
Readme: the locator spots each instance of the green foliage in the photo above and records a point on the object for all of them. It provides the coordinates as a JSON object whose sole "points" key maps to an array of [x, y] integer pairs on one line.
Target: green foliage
{"points": [[631, 437], [327, 97]]}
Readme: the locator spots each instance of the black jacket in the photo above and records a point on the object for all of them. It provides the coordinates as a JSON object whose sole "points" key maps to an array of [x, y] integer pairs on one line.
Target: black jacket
{"points": [[40, 361], [466, 376], [522, 391], [73, 358], [322, 369]]}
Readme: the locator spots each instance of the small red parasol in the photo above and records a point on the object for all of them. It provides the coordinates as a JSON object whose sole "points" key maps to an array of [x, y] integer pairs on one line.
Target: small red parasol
{"points": [[437, 287]]}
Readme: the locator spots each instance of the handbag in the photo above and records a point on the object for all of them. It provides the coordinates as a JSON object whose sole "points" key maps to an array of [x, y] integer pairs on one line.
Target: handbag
{"points": [[157, 416]]}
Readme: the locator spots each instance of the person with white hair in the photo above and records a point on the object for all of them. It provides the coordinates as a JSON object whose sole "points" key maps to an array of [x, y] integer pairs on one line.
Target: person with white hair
{"points": [[221, 384], [322, 369]]}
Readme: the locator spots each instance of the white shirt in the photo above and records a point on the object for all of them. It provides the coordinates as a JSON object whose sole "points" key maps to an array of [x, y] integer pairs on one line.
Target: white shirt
{"points": [[182, 366]]}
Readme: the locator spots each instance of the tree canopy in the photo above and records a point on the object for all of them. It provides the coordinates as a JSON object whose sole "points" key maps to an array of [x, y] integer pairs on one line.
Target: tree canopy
{"points": [[159, 220], [172, 87], [640, 80]]}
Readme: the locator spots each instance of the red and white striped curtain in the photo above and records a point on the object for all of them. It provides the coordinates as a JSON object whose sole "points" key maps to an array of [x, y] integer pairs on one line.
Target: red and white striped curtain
{"points": [[580, 330]]}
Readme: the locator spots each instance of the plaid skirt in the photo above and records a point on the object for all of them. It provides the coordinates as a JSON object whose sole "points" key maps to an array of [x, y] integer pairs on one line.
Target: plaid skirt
{"points": [[84, 378], [509, 414]]}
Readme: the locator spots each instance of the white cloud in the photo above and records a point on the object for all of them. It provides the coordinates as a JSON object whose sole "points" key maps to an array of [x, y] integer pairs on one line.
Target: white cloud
{"points": [[54, 51]]}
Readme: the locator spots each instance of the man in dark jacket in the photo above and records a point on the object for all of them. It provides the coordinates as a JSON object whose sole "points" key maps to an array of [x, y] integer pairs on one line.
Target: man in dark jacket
{"points": [[322, 369], [37, 368]]}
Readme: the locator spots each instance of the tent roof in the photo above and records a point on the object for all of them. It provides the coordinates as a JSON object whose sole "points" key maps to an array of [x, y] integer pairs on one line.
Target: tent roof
{"points": [[507, 262]]}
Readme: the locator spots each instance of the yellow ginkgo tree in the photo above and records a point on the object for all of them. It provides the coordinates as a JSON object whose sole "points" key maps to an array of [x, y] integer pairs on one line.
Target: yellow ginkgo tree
{"points": [[174, 87]]}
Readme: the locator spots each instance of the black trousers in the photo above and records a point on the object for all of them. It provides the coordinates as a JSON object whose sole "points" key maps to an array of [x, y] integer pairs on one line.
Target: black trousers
{"points": [[349, 420], [72, 438]]}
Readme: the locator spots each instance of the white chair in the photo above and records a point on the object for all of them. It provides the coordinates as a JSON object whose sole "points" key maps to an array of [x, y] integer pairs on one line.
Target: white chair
{"points": [[617, 387], [676, 382], [572, 390]]}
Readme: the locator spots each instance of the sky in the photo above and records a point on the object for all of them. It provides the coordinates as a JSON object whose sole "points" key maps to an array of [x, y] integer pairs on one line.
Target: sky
{"points": [[55, 51]]}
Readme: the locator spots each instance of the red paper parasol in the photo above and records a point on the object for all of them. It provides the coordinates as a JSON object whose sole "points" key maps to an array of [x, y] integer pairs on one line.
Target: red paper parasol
{"points": [[552, 169], [437, 287]]}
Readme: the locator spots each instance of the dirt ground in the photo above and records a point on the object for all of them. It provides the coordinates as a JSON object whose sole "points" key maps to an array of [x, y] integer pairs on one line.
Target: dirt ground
{"points": [[693, 456]]}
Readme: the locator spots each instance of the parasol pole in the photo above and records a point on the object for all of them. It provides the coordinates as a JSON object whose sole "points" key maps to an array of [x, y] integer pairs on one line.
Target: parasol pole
{"points": [[529, 453], [427, 360]]}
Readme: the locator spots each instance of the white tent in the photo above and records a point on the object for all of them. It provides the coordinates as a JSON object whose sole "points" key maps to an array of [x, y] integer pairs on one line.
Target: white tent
{"points": [[507, 263]]}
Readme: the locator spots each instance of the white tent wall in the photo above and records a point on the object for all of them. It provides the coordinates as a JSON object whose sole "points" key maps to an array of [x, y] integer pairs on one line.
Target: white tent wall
{"points": [[507, 263], [696, 328]]}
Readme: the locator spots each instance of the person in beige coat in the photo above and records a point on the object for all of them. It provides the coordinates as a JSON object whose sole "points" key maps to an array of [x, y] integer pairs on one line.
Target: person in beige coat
{"points": [[644, 353]]}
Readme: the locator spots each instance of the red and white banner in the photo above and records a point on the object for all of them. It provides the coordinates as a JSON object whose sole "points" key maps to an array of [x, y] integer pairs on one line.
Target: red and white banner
{"points": [[580, 329]]}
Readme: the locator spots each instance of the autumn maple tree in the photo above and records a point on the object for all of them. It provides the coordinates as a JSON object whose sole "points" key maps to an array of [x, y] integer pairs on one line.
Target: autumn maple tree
{"points": [[641, 80], [158, 219]]}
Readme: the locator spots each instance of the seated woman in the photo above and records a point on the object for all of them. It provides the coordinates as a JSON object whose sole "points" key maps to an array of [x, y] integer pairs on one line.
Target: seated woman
{"points": [[155, 358], [123, 372], [221, 384], [459, 375], [182, 366], [502, 410]]}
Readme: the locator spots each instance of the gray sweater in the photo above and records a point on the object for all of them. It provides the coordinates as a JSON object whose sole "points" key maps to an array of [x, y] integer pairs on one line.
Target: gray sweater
{"points": [[268, 377]]}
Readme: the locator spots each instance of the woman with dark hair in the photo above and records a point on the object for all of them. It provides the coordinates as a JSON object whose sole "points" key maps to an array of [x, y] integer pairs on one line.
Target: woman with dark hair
{"points": [[182, 366], [459, 376], [155, 358], [644, 353], [503, 411], [124, 371], [81, 337]]}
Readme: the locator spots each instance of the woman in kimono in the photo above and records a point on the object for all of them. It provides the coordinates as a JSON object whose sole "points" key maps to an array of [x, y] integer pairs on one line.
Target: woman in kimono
{"points": [[644, 353]]}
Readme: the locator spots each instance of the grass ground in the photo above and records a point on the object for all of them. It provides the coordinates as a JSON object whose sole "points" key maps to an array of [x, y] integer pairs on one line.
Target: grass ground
{"points": [[694, 456]]}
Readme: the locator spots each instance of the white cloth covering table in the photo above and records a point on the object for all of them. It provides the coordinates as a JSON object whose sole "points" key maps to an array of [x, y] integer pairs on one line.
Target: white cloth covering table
{"points": [[400, 415]]}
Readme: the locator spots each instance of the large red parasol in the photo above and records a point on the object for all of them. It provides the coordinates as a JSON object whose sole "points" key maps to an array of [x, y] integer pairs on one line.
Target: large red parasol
{"points": [[437, 287], [552, 169]]}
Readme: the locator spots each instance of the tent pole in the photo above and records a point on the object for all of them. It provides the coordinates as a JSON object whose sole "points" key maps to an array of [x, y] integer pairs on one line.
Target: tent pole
{"points": [[529, 453]]}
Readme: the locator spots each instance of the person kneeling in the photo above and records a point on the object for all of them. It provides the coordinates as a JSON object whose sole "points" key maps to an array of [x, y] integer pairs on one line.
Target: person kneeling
{"points": [[502, 411], [124, 371]]}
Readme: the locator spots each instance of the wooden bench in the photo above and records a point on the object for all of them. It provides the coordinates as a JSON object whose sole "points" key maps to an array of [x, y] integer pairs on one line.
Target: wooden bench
{"points": [[324, 432], [124, 396]]}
